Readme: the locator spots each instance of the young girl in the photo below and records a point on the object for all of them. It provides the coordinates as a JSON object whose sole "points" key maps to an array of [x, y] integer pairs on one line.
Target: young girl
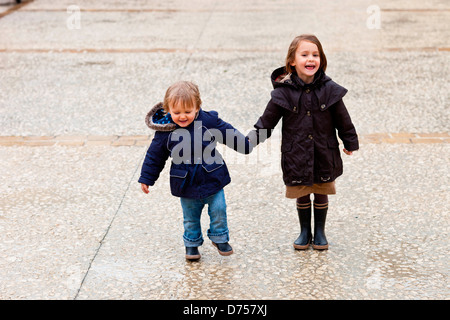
{"points": [[198, 173], [311, 107]]}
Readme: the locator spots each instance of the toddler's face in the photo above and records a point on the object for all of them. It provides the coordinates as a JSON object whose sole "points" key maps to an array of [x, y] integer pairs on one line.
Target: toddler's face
{"points": [[307, 61], [182, 114]]}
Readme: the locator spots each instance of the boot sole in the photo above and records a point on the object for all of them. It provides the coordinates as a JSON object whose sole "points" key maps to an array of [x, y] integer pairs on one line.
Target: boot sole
{"points": [[222, 253], [320, 247], [193, 257], [301, 247]]}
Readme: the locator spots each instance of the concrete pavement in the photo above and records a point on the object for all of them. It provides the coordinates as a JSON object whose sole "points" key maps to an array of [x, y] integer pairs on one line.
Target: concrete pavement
{"points": [[74, 91]]}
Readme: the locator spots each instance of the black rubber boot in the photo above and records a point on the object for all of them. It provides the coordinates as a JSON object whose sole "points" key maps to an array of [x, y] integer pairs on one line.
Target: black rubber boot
{"points": [[304, 215], [192, 253], [224, 248], [320, 215]]}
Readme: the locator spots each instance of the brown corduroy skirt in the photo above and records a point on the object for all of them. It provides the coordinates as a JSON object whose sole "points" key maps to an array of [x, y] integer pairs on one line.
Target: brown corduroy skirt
{"points": [[294, 192]]}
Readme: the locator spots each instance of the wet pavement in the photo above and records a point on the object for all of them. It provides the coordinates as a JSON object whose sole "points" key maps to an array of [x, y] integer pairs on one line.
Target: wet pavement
{"points": [[74, 223]]}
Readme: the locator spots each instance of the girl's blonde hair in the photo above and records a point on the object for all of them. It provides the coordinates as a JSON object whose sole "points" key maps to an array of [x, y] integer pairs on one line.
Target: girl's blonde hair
{"points": [[290, 57], [185, 92]]}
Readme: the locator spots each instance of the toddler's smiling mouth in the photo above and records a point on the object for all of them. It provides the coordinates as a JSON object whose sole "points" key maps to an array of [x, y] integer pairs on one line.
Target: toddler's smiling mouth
{"points": [[310, 67]]}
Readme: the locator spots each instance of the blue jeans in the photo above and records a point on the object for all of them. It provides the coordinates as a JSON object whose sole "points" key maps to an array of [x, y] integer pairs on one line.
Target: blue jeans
{"points": [[217, 211]]}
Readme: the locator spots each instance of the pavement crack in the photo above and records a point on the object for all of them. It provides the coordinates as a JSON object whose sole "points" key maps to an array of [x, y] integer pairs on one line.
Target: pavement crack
{"points": [[198, 38], [109, 226]]}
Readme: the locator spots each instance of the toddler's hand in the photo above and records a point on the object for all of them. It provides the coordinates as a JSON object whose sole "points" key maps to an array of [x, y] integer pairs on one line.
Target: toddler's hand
{"points": [[349, 153], [144, 188]]}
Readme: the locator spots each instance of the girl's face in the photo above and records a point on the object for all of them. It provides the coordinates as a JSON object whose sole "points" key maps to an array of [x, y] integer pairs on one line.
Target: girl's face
{"points": [[182, 114], [306, 61]]}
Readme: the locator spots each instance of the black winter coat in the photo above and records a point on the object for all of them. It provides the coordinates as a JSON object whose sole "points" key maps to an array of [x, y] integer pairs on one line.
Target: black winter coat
{"points": [[311, 115]]}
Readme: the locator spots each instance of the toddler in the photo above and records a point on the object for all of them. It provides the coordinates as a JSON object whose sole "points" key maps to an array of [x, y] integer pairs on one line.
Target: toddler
{"points": [[198, 173]]}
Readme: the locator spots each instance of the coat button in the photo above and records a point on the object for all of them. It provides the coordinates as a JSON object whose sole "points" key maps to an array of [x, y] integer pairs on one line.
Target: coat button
{"points": [[322, 107], [295, 108], [310, 137], [307, 90], [308, 113]]}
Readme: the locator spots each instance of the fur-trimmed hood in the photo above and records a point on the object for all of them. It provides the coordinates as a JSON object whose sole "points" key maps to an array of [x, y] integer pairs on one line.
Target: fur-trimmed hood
{"points": [[158, 120]]}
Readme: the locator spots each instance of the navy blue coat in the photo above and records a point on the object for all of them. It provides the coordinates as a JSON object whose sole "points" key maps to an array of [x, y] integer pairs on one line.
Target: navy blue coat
{"points": [[197, 170]]}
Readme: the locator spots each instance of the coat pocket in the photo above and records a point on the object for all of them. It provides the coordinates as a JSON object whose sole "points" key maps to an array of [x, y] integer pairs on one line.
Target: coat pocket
{"points": [[216, 174], [212, 167], [177, 180], [178, 173]]}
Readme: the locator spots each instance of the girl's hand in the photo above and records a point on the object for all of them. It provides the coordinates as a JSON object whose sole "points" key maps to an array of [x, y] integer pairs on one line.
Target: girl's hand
{"points": [[144, 188], [349, 153]]}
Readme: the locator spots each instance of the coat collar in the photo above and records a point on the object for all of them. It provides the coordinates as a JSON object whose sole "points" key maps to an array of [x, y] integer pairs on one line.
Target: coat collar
{"points": [[288, 88], [280, 78]]}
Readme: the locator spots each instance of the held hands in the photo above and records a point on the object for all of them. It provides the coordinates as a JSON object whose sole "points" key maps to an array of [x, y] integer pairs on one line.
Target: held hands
{"points": [[144, 188]]}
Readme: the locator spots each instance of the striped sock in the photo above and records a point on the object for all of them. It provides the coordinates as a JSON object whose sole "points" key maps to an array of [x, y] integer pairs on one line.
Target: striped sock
{"points": [[303, 205], [321, 205]]}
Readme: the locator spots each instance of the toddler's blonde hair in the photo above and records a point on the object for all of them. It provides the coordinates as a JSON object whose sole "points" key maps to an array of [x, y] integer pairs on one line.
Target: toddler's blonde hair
{"points": [[185, 92]]}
